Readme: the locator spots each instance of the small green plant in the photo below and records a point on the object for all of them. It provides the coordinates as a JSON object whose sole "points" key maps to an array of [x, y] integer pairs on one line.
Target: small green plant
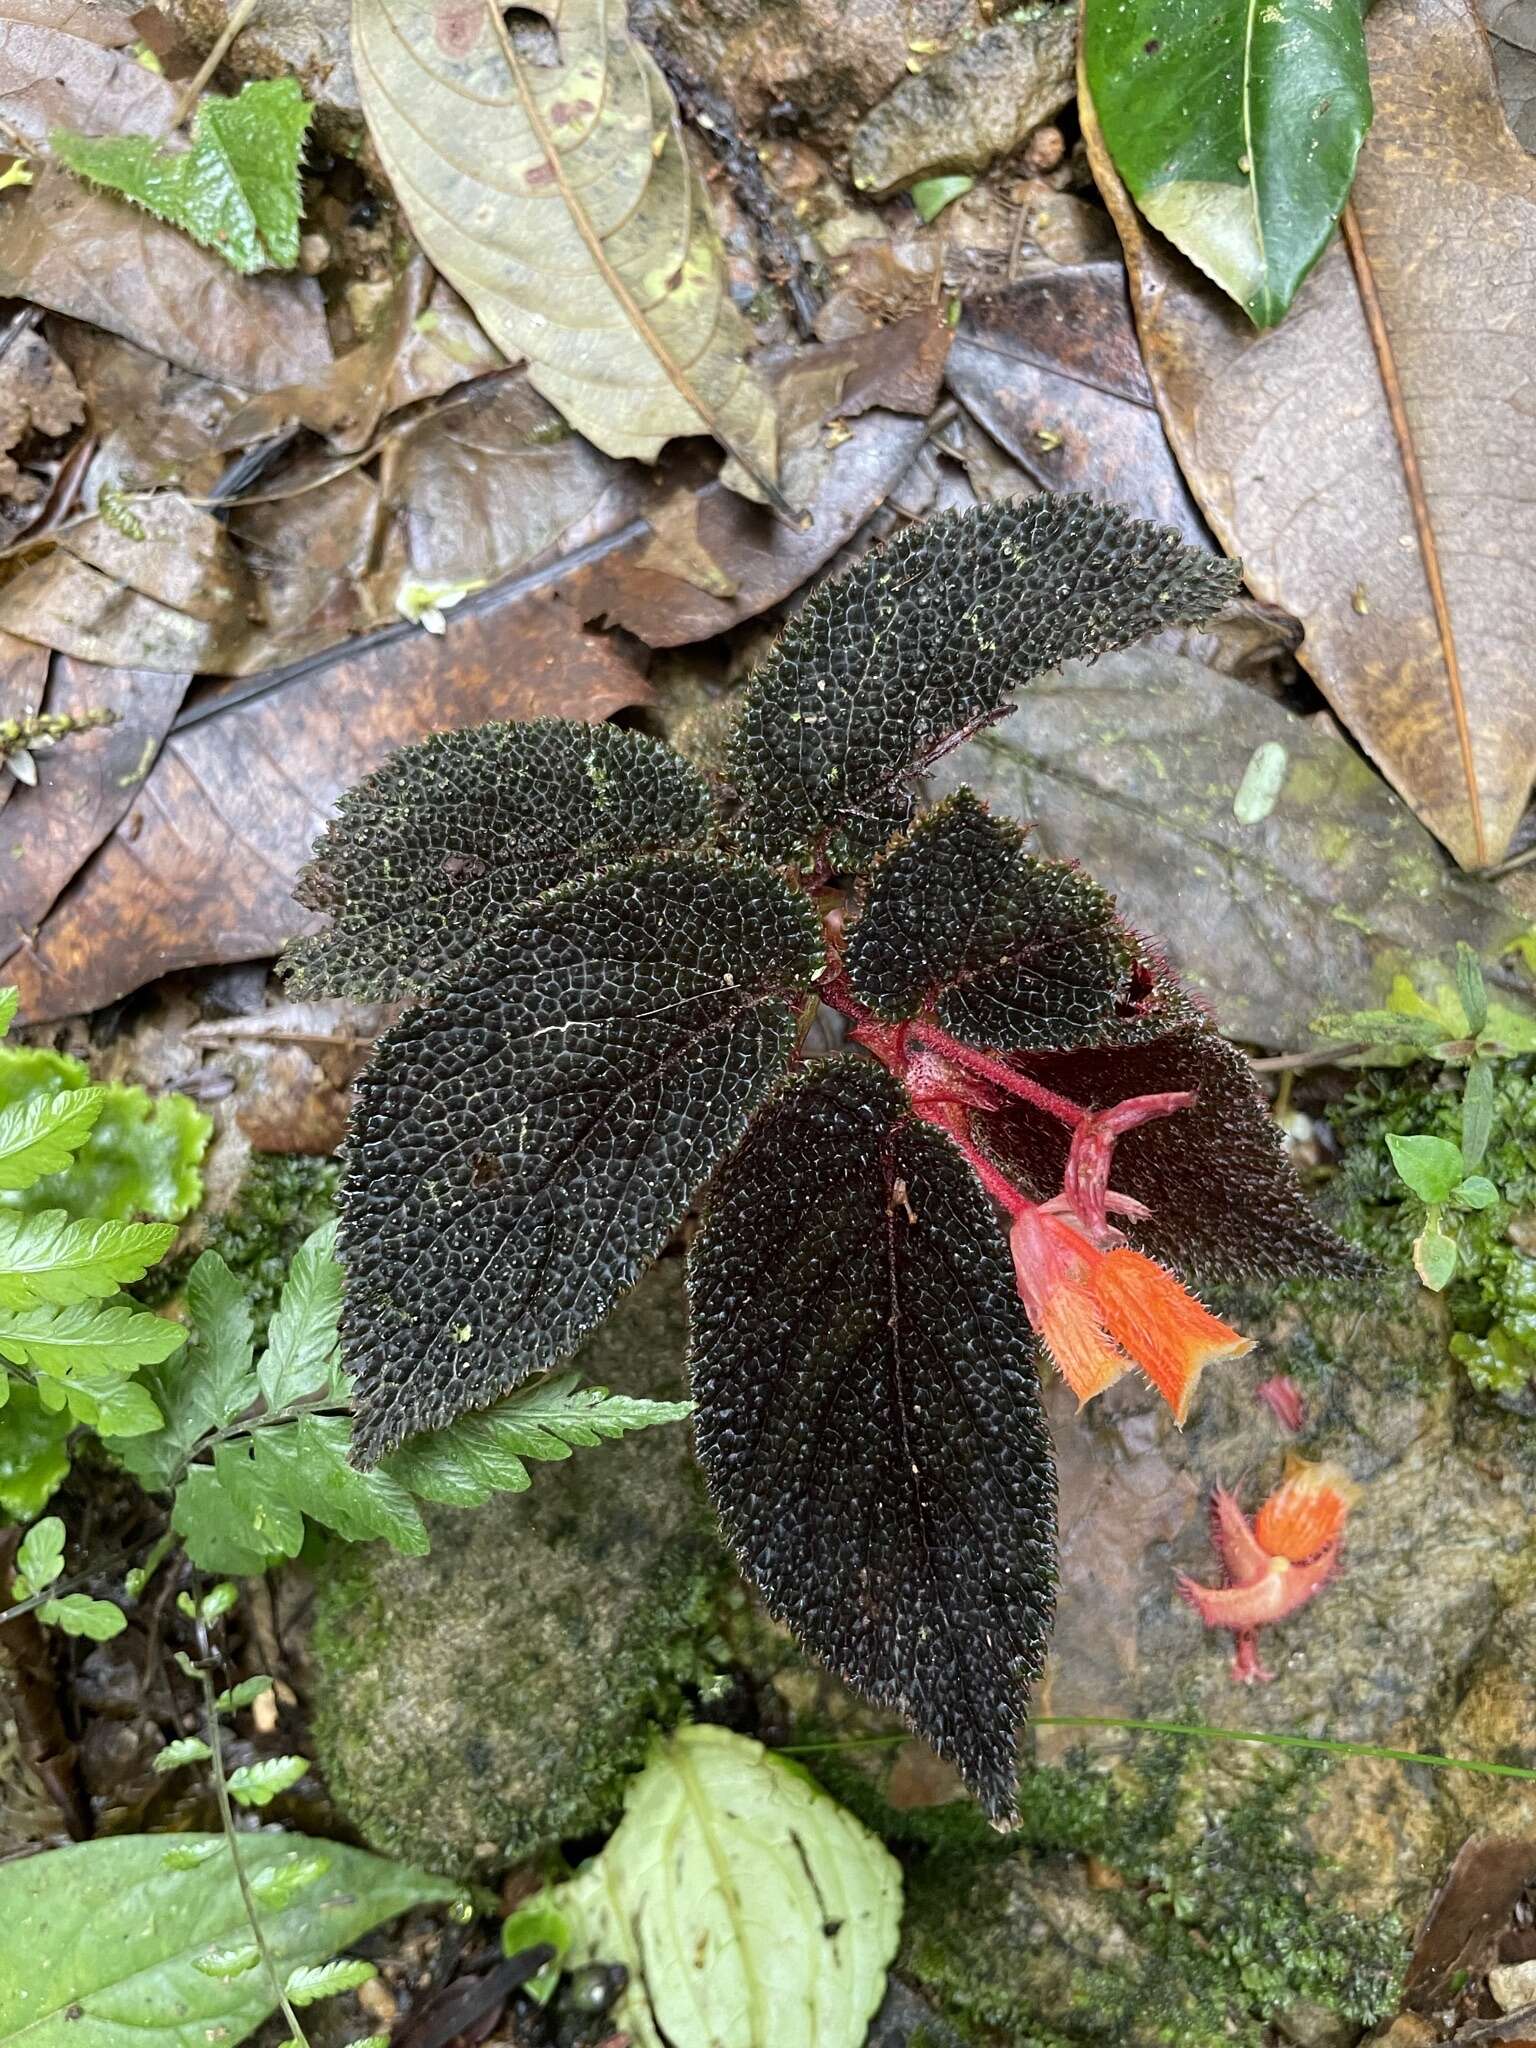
{"points": [[252, 1445], [1443, 1175], [71, 1343], [235, 190], [39, 1563]]}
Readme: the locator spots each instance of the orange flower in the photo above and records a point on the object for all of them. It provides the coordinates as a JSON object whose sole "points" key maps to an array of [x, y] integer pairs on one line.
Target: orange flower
{"points": [[1099, 1313], [1280, 1561]]}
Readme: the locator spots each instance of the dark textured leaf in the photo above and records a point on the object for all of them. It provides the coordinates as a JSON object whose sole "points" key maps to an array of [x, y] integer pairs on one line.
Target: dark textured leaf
{"points": [[931, 635], [1015, 953], [523, 1149], [1236, 128], [452, 836], [868, 1412], [1225, 1202]]}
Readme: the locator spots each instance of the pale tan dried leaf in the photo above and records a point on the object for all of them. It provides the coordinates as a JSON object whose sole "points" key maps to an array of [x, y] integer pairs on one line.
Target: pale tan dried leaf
{"points": [[1287, 439], [97, 258], [558, 197]]}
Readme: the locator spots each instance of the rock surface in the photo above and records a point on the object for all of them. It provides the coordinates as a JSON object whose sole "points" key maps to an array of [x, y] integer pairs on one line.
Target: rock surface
{"points": [[488, 1698], [969, 107]]}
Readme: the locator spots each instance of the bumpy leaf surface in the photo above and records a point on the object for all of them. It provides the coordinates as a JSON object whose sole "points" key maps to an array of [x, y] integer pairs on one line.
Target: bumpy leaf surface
{"points": [[235, 190], [469, 827], [868, 1412], [523, 1149], [1014, 952], [1225, 1202], [930, 635]]}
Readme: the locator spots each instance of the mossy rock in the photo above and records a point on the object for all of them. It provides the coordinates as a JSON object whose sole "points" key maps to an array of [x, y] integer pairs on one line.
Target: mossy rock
{"points": [[476, 1704]]}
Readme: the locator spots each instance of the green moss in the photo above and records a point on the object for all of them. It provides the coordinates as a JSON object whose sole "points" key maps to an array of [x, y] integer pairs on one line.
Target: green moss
{"points": [[281, 1200], [487, 1700], [1209, 1923]]}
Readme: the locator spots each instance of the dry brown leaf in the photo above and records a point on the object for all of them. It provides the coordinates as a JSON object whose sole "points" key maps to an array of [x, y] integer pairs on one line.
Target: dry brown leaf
{"points": [[173, 596], [855, 415], [202, 867], [545, 173], [1051, 369], [96, 258], [1512, 29], [153, 424], [84, 786], [1288, 439]]}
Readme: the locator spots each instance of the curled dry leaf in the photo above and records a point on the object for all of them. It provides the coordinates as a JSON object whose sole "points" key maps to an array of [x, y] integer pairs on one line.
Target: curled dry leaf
{"points": [[543, 169], [202, 868], [1250, 842], [1051, 369], [1372, 461]]}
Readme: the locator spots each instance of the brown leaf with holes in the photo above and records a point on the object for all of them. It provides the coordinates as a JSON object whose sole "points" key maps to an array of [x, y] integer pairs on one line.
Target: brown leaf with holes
{"points": [[1051, 369], [1344, 515], [202, 867]]}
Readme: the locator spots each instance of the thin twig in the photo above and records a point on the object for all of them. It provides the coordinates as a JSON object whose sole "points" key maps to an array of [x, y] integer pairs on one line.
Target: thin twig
{"points": [[247, 1897], [211, 62], [1418, 499], [1293, 1062]]}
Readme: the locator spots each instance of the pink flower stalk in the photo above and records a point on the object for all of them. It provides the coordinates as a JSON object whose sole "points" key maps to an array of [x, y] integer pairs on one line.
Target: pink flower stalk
{"points": [[1099, 1307], [1282, 1397]]}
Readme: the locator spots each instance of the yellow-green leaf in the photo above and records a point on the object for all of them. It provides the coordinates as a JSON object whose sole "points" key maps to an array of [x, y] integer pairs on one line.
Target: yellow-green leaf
{"points": [[543, 170]]}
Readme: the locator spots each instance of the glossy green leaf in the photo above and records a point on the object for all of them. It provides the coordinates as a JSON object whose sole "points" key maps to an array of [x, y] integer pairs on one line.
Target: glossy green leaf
{"points": [[1235, 125], [302, 1336], [748, 1907], [98, 1942], [1476, 1114], [1471, 988], [45, 1257], [1431, 1167], [308, 1463], [235, 190], [187, 1749], [77, 1614], [1434, 1257], [33, 1454], [1477, 1191], [62, 1340], [539, 1924], [139, 1159], [258, 1784], [312, 1981], [463, 1464], [207, 1388], [214, 1532], [40, 1556], [115, 1408], [41, 1134]]}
